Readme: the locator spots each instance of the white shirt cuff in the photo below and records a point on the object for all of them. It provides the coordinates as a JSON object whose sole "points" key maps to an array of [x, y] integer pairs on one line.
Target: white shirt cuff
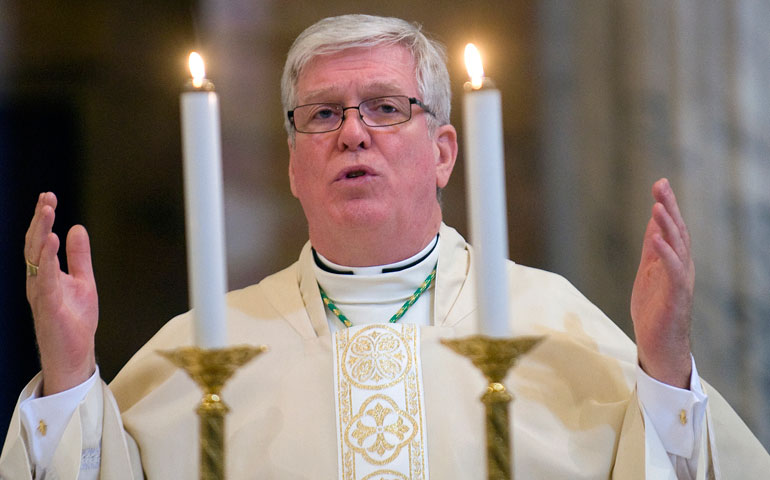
{"points": [[45, 418], [676, 414]]}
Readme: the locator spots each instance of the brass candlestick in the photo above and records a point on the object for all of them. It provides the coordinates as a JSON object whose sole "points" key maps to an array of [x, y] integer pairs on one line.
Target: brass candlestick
{"points": [[494, 357], [210, 369]]}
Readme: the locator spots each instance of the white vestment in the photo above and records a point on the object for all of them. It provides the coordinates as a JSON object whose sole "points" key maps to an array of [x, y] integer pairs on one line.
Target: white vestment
{"points": [[575, 413]]}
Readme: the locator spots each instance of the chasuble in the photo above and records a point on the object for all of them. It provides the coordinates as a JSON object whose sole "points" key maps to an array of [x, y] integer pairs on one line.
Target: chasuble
{"points": [[305, 409]]}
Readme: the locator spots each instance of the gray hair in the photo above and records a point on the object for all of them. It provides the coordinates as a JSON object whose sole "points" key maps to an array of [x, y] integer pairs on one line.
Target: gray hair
{"points": [[335, 34]]}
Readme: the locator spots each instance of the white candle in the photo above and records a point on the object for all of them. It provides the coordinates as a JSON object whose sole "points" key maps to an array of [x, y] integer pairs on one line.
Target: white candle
{"points": [[202, 152], [485, 182]]}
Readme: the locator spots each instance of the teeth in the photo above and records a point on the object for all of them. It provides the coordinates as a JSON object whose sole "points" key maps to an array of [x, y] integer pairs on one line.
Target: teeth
{"points": [[354, 174]]}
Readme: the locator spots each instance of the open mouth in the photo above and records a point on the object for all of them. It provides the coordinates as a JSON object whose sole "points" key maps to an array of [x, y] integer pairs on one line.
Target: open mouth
{"points": [[355, 171]]}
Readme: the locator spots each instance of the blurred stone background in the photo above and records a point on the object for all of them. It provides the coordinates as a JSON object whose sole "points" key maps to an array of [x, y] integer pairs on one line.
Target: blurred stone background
{"points": [[600, 99]]}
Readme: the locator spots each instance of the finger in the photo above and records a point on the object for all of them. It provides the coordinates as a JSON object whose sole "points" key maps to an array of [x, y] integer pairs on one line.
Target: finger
{"points": [[45, 198], [671, 261], [49, 198], [40, 226], [48, 271], [670, 230], [47, 279], [79, 253], [663, 193], [32, 224], [648, 252], [43, 225]]}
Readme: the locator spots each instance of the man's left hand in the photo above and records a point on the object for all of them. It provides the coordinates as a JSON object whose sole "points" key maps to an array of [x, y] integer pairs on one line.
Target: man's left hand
{"points": [[661, 302]]}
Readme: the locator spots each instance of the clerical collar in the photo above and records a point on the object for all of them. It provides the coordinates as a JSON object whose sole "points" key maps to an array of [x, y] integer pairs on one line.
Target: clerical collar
{"points": [[328, 266], [357, 293]]}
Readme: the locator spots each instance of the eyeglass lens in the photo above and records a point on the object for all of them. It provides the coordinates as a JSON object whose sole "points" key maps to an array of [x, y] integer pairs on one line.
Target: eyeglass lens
{"points": [[375, 112]]}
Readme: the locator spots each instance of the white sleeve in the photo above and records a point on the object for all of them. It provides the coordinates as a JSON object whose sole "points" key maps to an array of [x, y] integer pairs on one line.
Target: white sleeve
{"points": [[678, 417], [44, 420]]}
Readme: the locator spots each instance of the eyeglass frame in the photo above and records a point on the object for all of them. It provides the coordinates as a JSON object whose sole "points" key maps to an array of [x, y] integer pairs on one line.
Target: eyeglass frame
{"points": [[412, 101]]}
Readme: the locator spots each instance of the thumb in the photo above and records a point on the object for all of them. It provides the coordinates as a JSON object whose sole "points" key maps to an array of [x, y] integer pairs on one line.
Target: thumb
{"points": [[79, 253]]}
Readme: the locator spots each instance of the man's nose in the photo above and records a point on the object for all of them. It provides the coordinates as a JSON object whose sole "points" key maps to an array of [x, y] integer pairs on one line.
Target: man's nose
{"points": [[357, 115], [353, 132]]}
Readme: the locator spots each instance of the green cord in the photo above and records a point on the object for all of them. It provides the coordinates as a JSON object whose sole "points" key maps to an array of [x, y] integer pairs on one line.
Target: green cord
{"points": [[401, 311]]}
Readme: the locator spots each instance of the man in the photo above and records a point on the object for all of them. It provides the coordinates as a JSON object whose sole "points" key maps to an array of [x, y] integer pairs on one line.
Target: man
{"points": [[344, 392]]}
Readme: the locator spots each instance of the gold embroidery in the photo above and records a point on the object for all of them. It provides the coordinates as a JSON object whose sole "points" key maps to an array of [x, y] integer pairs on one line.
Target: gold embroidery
{"points": [[418, 456], [415, 448], [381, 433], [42, 428], [380, 445], [385, 475], [683, 417], [373, 430], [349, 470], [412, 394], [344, 406], [374, 355]]}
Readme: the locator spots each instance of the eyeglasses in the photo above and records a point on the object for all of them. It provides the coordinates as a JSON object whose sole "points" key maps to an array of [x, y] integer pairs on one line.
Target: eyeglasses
{"points": [[374, 112]]}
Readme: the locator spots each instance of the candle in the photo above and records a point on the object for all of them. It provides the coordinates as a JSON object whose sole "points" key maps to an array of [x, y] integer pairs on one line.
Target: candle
{"points": [[203, 207], [485, 183]]}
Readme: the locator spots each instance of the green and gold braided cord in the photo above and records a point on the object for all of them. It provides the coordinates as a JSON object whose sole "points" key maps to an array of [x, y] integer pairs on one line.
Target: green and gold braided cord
{"points": [[333, 308], [401, 311]]}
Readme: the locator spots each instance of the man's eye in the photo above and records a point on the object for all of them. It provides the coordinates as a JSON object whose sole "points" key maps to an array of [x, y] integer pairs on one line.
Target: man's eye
{"points": [[383, 107], [323, 114], [387, 108]]}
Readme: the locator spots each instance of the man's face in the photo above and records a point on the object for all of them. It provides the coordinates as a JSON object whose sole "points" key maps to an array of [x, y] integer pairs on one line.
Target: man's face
{"points": [[364, 177]]}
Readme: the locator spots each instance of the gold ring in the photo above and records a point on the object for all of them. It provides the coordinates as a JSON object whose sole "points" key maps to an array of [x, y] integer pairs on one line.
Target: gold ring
{"points": [[31, 268]]}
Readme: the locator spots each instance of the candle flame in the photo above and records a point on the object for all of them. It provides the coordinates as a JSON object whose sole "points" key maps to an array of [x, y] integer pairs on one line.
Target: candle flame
{"points": [[197, 69], [474, 66]]}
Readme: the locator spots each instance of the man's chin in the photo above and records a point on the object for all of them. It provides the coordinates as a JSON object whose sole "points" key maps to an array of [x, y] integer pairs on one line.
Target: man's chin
{"points": [[364, 214], [355, 214]]}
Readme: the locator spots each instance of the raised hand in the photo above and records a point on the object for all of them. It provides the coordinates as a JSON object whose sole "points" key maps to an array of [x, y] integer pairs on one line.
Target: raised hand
{"points": [[661, 302], [65, 306]]}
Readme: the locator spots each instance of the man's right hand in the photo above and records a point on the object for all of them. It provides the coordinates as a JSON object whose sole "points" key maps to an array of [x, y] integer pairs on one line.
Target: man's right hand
{"points": [[65, 306]]}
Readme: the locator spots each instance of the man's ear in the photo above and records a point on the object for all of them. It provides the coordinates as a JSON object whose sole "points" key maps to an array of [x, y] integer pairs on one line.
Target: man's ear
{"points": [[446, 153], [291, 166]]}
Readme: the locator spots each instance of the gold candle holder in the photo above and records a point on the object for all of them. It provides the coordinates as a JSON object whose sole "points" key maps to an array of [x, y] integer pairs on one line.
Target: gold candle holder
{"points": [[494, 357], [211, 369]]}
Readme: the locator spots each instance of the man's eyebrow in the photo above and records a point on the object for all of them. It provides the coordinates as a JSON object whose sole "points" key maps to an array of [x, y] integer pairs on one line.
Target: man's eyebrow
{"points": [[382, 88], [320, 95], [369, 90]]}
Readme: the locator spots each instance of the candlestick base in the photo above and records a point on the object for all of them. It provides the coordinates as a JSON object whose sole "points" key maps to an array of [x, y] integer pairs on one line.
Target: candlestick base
{"points": [[494, 357], [211, 369]]}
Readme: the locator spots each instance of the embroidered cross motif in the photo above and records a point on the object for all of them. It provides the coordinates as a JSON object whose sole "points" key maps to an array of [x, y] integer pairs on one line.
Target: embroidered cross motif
{"points": [[376, 434], [380, 445], [379, 402], [376, 357]]}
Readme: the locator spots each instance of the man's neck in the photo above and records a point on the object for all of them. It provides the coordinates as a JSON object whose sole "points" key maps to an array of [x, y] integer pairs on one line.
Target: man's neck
{"points": [[365, 248]]}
